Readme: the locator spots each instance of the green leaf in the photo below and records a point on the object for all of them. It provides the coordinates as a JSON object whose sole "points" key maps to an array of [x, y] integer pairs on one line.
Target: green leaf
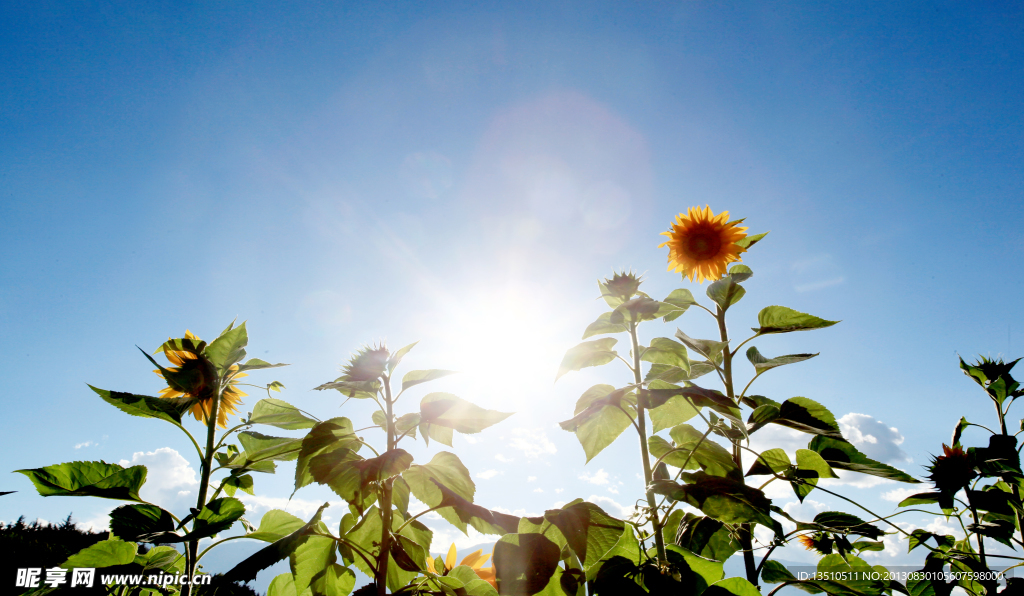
{"points": [[280, 414], [447, 469], [772, 461], [215, 517], [611, 298], [602, 413], [807, 415], [137, 523], [960, 427], [396, 358], [415, 377], [639, 309], [779, 319], [841, 523], [144, 406], [682, 300], [260, 447], [325, 437], [705, 347], [246, 570], [706, 536], [676, 410], [106, 553], [726, 292], [88, 479], [750, 240], [812, 461], [257, 364], [734, 586], [235, 483], [843, 455], [740, 273], [353, 389], [525, 563], [484, 520], [762, 364], [586, 354], [309, 561], [666, 351], [700, 397], [275, 525], [590, 532], [602, 326], [709, 455], [448, 411], [229, 348], [696, 570], [674, 374], [351, 478], [774, 572], [721, 498], [283, 585]]}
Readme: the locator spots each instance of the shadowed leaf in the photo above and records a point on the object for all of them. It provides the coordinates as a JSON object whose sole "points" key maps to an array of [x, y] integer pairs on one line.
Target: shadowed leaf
{"points": [[88, 479]]}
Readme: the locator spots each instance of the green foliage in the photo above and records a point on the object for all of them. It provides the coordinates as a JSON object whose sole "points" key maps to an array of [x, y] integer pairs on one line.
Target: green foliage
{"points": [[88, 479]]}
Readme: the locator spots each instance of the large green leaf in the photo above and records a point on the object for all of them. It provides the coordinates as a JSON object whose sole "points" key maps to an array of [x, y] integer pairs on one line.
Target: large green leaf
{"points": [[698, 396], [726, 292], [368, 531], [674, 374], [260, 447], [721, 498], [446, 469], [415, 377], [257, 364], [310, 559], [215, 517], [709, 455], [733, 586], [228, 348], [763, 364], [353, 389], [843, 455], [588, 353], [275, 525], [841, 523], [396, 358], [695, 570], [602, 326], [751, 240], [329, 435], [447, 411], [706, 536], [484, 520], [772, 461], [140, 523], [675, 410], [602, 413], [106, 553], [682, 300], [666, 351], [145, 406], [352, 478], [88, 479], [525, 563], [808, 416], [707, 348], [590, 532], [281, 414], [779, 319], [641, 308], [246, 570]]}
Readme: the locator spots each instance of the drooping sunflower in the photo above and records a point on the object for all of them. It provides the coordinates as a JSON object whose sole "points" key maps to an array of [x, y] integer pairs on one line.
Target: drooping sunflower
{"points": [[474, 560], [701, 244], [202, 384]]}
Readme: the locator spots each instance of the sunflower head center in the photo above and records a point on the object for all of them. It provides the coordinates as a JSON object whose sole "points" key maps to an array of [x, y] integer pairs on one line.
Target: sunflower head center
{"points": [[702, 244]]}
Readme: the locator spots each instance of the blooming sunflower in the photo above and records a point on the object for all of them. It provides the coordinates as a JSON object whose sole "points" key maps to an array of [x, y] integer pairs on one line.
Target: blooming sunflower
{"points": [[817, 542], [701, 244], [474, 560], [202, 384]]}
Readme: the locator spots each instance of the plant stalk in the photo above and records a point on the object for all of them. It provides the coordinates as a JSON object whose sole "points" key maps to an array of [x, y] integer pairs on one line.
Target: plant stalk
{"points": [[745, 530], [204, 485], [385, 502], [641, 420]]}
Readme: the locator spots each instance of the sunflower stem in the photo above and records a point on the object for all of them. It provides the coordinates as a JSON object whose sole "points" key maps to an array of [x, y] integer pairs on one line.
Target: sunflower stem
{"points": [[385, 501], [746, 532], [641, 424], [204, 482]]}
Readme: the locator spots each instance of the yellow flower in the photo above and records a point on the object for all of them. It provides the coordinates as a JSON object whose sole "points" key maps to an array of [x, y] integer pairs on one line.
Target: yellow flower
{"points": [[474, 560], [203, 383], [701, 244]]}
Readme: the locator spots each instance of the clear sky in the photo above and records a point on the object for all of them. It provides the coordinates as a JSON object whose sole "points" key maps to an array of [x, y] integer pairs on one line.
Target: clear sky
{"points": [[461, 174]]}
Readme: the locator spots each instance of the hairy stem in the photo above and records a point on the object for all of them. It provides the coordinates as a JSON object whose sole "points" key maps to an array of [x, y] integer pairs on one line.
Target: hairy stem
{"points": [[204, 483], [641, 423], [385, 501]]}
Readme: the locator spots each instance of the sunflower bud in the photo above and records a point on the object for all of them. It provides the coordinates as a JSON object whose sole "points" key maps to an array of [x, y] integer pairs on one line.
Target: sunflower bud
{"points": [[623, 285], [368, 364], [951, 471]]}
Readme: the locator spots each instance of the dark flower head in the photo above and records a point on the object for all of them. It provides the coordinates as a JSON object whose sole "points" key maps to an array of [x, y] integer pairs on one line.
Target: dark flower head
{"points": [[623, 285], [368, 364], [951, 471], [987, 370], [818, 542]]}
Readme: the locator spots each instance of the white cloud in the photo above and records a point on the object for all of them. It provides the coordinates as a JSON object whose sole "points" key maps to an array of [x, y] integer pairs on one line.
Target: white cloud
{"points": [[85, 444], [298, 507], [613, 490], [854, 479], [775, 436], [532, 442], [874, 438], [168, 473], [503, 459], [444, 537], [559, 490], [612, 506], [898, 494], [487, 474], [470, 440], [531, 479], [538, 490], [804, 512], [599, 477]]}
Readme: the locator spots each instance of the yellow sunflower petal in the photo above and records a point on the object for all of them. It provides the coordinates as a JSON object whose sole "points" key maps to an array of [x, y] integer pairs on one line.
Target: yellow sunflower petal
{"points": [[475, 559], [449, 560]]}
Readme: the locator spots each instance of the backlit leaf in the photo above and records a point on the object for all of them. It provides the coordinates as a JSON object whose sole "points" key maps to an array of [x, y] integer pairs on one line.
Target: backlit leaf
{"points": [[88, 479]]}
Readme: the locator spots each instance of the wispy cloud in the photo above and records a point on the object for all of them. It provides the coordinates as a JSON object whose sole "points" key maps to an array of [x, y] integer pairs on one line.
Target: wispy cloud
{"points": [[487, 474], [599, 477], [85, 444], [532, 442]]}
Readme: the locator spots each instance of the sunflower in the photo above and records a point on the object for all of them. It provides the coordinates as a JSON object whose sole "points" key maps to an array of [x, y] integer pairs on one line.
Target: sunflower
{"points": [[701, 244], [817, 542], [202, 382], [368, 364], [474, 560], [952, 471]]}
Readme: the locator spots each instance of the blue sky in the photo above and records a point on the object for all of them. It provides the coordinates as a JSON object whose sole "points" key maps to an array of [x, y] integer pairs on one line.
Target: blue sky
{"points": [[461, 174]]}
